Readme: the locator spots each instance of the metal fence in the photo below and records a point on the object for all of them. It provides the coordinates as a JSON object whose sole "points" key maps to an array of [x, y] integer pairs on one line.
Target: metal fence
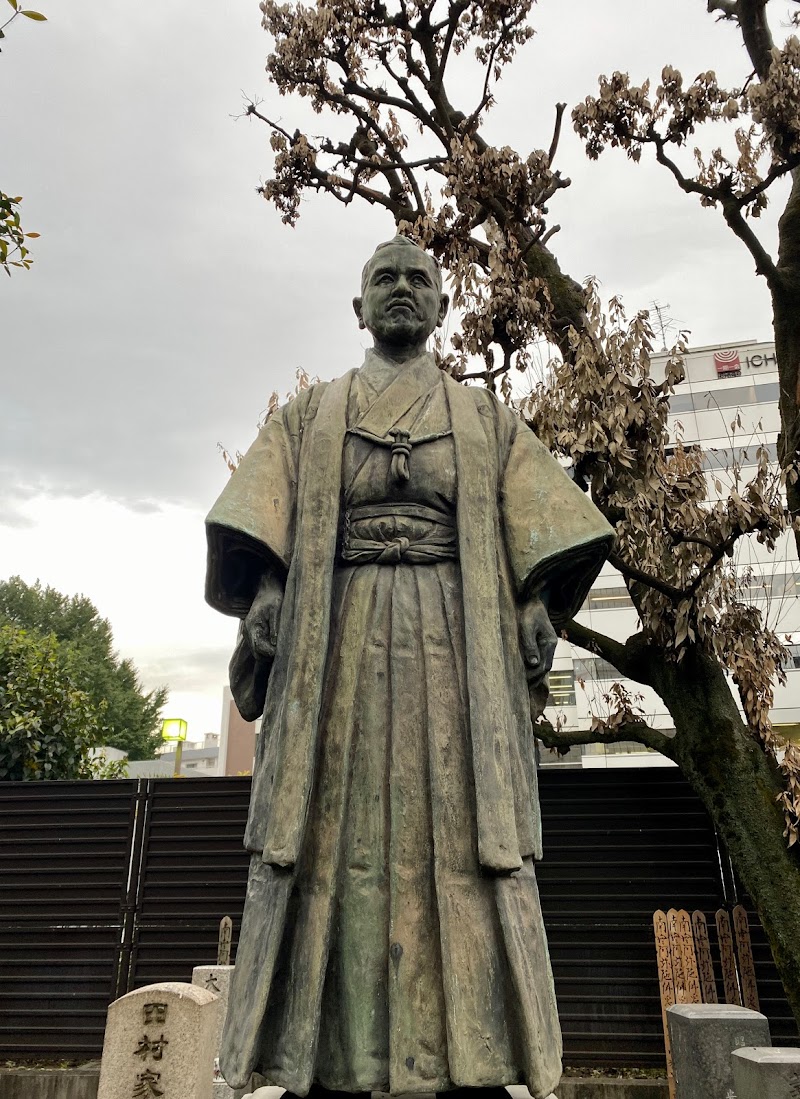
{"points": [[107, 886]]}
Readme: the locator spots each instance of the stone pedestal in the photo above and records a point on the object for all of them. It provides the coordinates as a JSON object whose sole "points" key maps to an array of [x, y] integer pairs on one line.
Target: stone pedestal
{"points": [[703, 1037], [766, 1072], [159, 1041]]}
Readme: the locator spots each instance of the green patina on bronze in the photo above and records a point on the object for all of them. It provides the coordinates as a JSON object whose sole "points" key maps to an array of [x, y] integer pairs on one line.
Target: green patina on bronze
{"points": [[391, 540]]}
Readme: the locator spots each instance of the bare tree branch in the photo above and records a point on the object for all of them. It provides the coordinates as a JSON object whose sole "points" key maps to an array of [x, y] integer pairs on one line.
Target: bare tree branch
{"points": [[486, 95], [350, 87], [551, 154], [639, 577], [638, 731], [726, 8], [551, 232], [456, 11], [736, 221], [402, 165], [752, 17], [731, 210], [690, 186], [677, 536], [629, 658], [781, 168], [487, 376], [719, 552]]}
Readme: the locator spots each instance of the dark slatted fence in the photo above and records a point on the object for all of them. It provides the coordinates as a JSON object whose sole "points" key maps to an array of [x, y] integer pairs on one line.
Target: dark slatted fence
{"points": [[618, 845], [107, 886], [194, 872], [65, 853]]}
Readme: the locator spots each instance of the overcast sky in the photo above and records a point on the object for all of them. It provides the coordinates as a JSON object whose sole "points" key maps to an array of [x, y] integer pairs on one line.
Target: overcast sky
{"points": [[167, 301]]}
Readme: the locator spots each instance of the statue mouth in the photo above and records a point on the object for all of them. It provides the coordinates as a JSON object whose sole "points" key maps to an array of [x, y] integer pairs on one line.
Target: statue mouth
{"points": [[402, 306]]}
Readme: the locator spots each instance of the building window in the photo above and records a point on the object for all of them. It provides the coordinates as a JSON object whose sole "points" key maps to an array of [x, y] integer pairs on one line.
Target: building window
{"points": [[720, 457], [605, 599], [793, 657], [763, 588], [562, 688], [727, 397], [597, 671]]}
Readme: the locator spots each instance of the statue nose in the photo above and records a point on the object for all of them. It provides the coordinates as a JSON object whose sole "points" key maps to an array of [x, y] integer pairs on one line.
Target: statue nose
{"points": [[403, 288]]}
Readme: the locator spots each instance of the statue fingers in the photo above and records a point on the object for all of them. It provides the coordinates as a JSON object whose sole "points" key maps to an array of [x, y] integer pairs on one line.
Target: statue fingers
{"points": [[547, 650], [260, 637], [535, 670]]}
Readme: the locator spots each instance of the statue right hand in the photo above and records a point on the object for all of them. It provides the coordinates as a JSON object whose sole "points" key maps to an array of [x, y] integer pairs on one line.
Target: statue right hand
{"points": [[264, 617]]}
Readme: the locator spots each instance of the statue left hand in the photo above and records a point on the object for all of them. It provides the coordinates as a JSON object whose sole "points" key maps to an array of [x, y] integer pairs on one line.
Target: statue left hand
{"points": [[537, 640]]}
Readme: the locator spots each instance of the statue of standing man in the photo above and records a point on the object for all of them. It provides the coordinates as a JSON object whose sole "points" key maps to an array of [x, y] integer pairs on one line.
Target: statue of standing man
{"points": [[400, 548]]}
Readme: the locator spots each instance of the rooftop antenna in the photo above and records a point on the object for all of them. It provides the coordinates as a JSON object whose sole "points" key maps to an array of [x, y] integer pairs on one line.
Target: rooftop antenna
{"points": [[664, 323]]}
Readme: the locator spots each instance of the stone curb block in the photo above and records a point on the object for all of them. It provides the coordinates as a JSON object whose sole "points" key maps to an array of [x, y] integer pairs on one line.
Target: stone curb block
{"points": [[82, 1083]]}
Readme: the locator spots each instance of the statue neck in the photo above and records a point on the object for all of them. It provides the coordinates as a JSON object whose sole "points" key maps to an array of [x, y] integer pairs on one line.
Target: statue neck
{"points": [[400, 353]]}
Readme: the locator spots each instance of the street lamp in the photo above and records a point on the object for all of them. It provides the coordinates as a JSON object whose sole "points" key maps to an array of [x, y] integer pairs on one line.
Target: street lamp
{"points": [[173, 729]]}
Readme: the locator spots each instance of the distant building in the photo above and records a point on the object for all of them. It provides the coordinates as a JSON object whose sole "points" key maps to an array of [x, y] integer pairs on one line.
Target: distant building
{"points": [[237, 739], [198, 760], [229, 752], [721, 382]]}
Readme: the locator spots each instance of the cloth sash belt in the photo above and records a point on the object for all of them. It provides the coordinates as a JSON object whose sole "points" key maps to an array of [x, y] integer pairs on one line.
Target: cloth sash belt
{"points": [[391, 534]]}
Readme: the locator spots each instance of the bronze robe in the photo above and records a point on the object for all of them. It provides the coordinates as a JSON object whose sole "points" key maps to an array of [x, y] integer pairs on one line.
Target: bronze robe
{"points": [[392, 937]]}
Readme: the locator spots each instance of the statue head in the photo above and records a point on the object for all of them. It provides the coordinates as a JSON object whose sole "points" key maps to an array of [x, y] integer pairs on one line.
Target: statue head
{"points": [[401, 299]]}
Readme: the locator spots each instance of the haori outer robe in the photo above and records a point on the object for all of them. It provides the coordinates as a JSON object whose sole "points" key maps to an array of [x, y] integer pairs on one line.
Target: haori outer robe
{"points": [[392, 937]]}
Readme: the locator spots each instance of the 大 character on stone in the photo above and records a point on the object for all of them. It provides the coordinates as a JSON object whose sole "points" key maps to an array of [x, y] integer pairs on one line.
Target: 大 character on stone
{"points": [[400, 548]]}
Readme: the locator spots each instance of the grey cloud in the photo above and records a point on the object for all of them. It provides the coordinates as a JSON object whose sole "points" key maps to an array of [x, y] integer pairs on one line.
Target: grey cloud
{"points": [[167, 301], [190, 670], [166, 298]]}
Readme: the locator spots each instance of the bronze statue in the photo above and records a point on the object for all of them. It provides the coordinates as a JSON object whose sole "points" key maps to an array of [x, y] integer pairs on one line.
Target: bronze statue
{"points": [[397, 545]]}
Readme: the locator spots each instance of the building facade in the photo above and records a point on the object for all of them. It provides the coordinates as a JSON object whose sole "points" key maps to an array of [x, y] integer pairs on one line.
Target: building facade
{"points": [[727, 405]]}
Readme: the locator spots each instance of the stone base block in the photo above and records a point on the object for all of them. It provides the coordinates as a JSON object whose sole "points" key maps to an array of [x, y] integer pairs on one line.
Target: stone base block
{"points": [[703, 1037], [766, 1072], [572, 1087]]}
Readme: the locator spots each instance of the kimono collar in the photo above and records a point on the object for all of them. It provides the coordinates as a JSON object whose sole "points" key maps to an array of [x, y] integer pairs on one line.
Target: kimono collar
{"points": [[377, 367], [410, 384]]}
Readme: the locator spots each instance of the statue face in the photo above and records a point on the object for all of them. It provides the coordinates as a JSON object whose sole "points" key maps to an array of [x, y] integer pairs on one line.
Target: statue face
{"points": [[402, 302]]}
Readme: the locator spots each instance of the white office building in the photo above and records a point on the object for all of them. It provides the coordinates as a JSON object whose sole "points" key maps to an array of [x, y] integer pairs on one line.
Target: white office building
{"points": [[720, 383]]}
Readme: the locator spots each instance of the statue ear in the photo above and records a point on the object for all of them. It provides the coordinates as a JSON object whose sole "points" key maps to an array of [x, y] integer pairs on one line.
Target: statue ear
{"points": [[357, 309], [444, 305]]}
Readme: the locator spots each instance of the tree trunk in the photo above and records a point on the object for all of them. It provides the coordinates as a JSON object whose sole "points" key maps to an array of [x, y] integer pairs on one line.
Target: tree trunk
{"points": [[785, 288], [738, 784]]}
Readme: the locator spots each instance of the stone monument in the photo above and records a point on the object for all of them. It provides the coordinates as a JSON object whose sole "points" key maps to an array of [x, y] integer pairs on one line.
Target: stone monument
{"points": [[159, 1043], [703, 1037], [401, 550], [216, 979], [766, 1072]]}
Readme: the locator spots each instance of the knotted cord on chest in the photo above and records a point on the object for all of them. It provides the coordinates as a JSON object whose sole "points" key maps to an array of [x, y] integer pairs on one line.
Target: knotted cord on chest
{"points": [[401, 444]]}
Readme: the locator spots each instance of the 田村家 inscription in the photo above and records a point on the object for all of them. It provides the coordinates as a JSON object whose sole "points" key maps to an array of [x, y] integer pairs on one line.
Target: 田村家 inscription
{"points": [[159, 1044]]}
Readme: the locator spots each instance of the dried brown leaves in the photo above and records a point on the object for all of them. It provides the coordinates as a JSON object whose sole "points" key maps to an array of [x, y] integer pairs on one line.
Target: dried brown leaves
{"points": [[627, 115], [676, 532], [480, 209]]}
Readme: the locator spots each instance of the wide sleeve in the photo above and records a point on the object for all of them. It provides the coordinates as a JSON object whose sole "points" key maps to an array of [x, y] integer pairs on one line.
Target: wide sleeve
{"points": [[555, 537], [251, 526]]}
